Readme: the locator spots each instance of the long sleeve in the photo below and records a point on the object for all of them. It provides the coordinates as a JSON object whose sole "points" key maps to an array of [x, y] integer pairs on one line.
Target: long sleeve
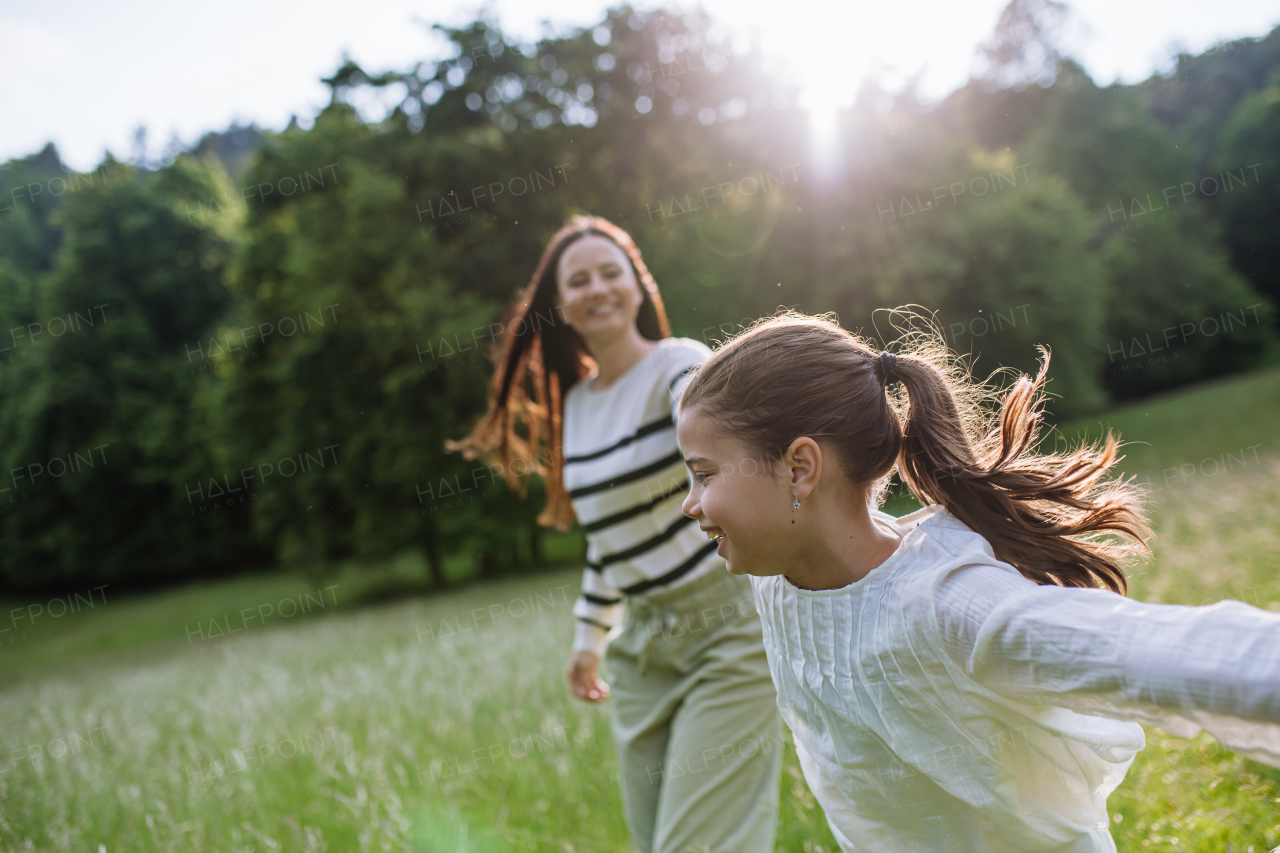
{"points": [[625, 476], [679, 373], [598, 609], [1178, 667]]}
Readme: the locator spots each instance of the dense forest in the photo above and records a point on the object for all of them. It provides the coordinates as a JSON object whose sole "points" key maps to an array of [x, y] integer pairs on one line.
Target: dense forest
{"points": [[251, 354]]}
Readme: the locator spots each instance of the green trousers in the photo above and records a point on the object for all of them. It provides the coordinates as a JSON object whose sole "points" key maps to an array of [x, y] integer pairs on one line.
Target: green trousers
{"points": [[696, 721]]}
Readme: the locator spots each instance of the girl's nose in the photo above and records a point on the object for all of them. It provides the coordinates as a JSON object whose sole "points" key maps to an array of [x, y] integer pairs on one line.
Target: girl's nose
{"points": [[690, 506]]}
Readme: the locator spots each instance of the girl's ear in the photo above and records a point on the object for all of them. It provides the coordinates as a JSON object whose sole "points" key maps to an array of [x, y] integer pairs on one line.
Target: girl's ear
{"points": [[803, 461]]}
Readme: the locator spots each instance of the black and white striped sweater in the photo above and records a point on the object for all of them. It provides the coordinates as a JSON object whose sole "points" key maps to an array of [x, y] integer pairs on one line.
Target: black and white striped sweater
{"points": [[626, 478]]}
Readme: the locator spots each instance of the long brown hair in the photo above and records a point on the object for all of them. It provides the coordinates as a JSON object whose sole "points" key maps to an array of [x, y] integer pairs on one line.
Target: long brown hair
{"points": [[1049, 516], [537, 360]]}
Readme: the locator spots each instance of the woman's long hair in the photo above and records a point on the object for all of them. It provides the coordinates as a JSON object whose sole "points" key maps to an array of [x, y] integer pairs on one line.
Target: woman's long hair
{"points": [[536, 362], [1050, 516]]}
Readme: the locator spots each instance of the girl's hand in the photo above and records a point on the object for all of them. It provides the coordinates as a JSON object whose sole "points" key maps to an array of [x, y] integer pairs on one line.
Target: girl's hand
{"points": [[586, 684]]}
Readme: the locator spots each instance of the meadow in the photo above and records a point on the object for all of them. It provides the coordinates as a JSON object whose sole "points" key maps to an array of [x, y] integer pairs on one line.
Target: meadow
{"points": [[285, 713]]}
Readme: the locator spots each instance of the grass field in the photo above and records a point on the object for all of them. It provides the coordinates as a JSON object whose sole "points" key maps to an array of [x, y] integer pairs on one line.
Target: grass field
{"points": [[443, 724]]}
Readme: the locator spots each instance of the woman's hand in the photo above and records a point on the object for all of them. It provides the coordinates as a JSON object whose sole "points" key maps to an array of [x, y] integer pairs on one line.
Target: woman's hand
{"points": [[586, 684]]}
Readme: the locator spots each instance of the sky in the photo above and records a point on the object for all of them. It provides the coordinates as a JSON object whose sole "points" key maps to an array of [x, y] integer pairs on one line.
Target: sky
{"points": [[85, 75]]}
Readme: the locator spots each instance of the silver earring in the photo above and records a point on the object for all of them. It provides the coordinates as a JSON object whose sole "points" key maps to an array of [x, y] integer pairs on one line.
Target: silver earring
{"points": [[795, 503]]}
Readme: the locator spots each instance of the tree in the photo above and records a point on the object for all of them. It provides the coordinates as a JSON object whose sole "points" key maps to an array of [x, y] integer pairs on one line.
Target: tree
{"points": [[95, 430], [1245, 192], [1025, 48], [1164, 257]]}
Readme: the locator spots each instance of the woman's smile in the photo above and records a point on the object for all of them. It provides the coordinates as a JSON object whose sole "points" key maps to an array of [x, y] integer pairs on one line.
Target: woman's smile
{"points": [[599, 310]]}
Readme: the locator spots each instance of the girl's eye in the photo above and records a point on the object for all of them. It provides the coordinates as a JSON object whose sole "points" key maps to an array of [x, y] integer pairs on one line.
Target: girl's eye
{"points": [[701, 478], [612, 272]]}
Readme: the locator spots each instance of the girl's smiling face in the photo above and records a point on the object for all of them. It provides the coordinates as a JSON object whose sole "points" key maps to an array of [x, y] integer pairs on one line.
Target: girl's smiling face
{"points": [[737, 497]]}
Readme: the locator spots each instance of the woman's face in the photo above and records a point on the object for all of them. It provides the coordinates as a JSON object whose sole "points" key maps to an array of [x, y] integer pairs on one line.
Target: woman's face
{"points": [[737, 497], [599, 295]]}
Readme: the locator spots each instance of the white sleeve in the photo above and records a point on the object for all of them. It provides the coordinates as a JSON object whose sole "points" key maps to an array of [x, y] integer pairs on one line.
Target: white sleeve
{"points": [[598, 609], [1180, 668], [683, 361]]}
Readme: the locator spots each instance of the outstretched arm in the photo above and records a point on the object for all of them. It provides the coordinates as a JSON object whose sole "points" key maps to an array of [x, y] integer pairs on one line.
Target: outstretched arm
{"points": [[1178, 667]]}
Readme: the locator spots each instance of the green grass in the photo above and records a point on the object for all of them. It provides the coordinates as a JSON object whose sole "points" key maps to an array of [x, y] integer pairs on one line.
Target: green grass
{"points": [[381, 710], [362, 726], [1194, 425]]}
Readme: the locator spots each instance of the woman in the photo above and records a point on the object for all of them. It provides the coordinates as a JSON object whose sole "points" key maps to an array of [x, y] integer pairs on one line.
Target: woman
{"points": [[694, 710], [970, 676]]}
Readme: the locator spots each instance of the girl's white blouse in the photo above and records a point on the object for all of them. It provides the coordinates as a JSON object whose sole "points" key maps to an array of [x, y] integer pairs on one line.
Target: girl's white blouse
{"points": [[945, 702]]}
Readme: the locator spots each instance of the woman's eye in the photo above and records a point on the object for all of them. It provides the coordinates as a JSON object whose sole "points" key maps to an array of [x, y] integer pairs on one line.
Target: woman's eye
{"points": [[701, 478]]}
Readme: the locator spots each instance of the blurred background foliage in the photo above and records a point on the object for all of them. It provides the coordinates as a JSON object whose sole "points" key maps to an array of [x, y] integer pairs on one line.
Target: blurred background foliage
{"points": [[323, 300]]}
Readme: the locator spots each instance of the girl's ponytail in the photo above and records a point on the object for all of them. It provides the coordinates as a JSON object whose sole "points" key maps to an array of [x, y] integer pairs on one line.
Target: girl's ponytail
{"points": [[1046, 515], [1050, 516]]}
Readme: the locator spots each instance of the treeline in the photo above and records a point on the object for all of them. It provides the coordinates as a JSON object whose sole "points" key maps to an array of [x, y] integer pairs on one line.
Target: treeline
{"points": [[203, 374]]}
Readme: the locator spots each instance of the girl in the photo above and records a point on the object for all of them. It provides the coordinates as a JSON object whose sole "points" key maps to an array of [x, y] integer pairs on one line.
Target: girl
{"points": [[966, 677], [695, 713]]}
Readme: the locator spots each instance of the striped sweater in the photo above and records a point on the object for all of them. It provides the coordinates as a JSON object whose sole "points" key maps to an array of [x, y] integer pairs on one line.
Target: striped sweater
{"points": [[627, 480]]}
